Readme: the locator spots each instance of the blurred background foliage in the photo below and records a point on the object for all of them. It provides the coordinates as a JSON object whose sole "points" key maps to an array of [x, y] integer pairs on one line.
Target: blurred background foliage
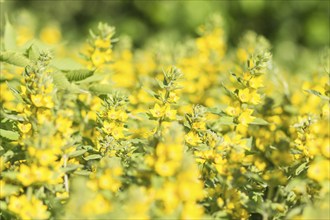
{"points": [[295, 28]]}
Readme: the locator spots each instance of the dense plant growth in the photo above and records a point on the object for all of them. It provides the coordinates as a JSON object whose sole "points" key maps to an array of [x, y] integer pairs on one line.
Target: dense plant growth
{"points": [[193, 130]]}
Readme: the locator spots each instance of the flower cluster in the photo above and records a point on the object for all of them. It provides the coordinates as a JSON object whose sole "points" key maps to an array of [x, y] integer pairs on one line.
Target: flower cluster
{"points": [[198, 131]]}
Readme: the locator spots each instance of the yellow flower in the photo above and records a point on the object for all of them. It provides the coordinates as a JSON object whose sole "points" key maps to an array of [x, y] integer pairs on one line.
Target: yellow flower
{"points": [[50, 35], [62, 195], [191, 210], [170, 114], [244, 95], [245, 117], [319, 170], [190, 188], [157, 111], [25, 175], [28, 209], [260, 164], [325, 148], [256, 82], [24, 127], [168, 194], [117, 131], [166, 168], [41, 174], [201, 126], [233, 111], [48, 102], [108, 127], [98, 58], [112, 114], [326, 110], [43, 116], [220, 202], [242, 55], [17, 203], [255, 98], [192, 138], [46, 157], [102, 43], [117, 115], [105, 181], [173, 97], [97, 206], [248, 96], [37, 100]]}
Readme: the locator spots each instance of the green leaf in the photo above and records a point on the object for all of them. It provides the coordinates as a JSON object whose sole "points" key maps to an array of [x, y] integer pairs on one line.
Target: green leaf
{"points": [[9, 189], [61, 82], [229, 92], [93, 157], [78, 75], [290, 109], [101, 89], [3, 205], [294, 212], [218, 110], [82, 172], [259, 121], [10, 135], [9, 154], [33, 53], [301, 168], [226, 120], [91, 79], [9, 36], [317, 93], [151, 93], [71, 167], [10, 175], [249, 142], [66, 64], [15, 93], [77, 153], [14, 58]]}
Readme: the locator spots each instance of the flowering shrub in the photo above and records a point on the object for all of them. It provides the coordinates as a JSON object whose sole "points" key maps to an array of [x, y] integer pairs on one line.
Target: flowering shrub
{"points": [[199, 131]]}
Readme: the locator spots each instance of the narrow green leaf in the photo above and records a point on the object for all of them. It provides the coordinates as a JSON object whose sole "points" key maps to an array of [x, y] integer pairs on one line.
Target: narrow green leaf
{"points": [[219, 109], [15, 93], [71, 167], [301, 168], [77, 153], [93, 157], [226, 120], [14, 58], [152, 93], [62, 83], [9, 189], [249, 142], [33, 53], [294, 212], [10, 135], [66, 64], [3, 205], [82, 172], [101, 89], [78, 75], [317, 93], [259, 121], [10, 175], [229, 92], [9, 36]]}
